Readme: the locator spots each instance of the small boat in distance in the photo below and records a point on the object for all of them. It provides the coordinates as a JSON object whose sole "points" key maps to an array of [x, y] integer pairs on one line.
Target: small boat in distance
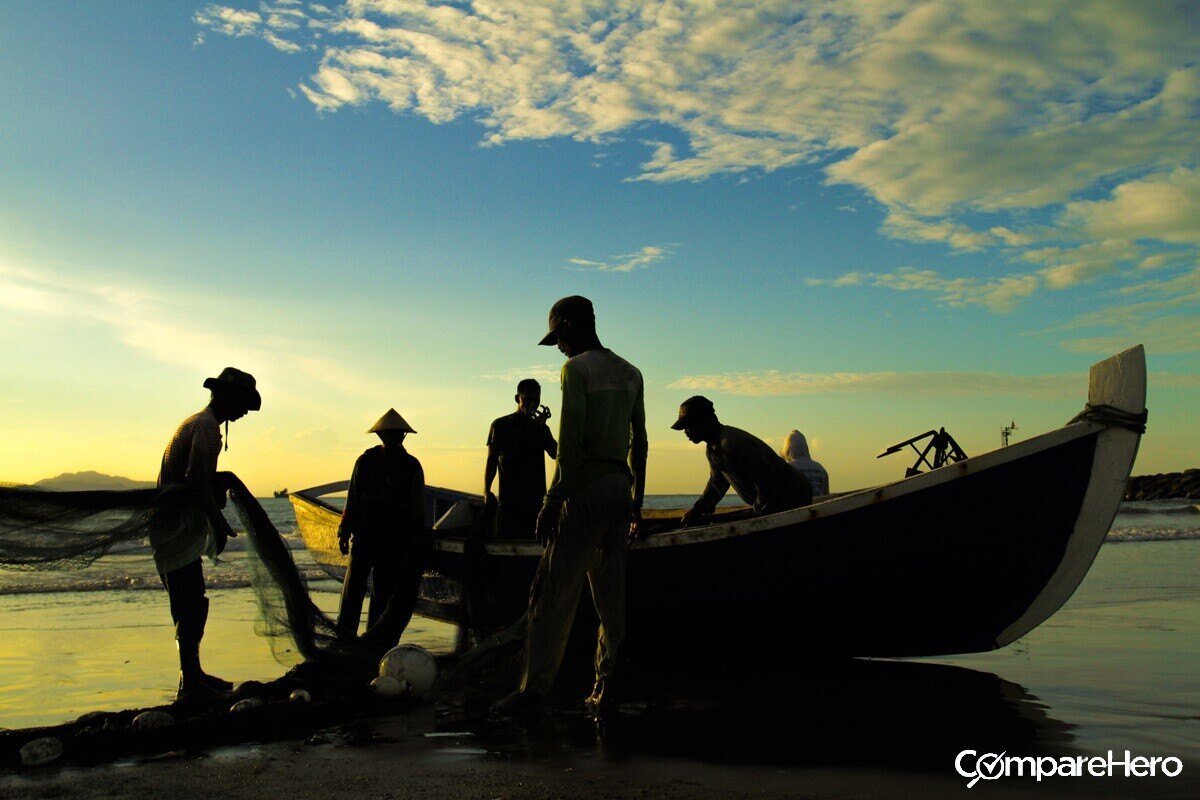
{"points": [[965, 558], [281, 492]]}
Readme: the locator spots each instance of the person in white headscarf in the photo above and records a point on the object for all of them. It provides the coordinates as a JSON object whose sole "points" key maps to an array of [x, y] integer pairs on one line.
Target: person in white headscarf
{"points": [[795, 452]]}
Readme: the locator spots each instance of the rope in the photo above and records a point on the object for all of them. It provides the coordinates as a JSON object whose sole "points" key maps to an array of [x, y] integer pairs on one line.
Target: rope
{"points": [[1113, 417]]}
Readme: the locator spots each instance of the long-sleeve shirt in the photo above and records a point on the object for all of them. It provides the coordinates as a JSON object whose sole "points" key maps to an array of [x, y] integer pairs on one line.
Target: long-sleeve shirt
{"points": [[602, 427], [385, 503], [756, 472]]}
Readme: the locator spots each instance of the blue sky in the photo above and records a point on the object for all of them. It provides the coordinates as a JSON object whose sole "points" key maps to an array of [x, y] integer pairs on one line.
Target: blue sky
{"points": [[863, 219]]}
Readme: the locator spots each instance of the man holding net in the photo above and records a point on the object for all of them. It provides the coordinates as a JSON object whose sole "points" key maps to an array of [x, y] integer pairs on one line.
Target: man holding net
{"points": [[189, 464]]}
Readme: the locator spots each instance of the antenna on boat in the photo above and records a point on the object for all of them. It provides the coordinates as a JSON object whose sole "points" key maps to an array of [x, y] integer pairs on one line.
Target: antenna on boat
{"points": [[945, 451], [1005, 432]]}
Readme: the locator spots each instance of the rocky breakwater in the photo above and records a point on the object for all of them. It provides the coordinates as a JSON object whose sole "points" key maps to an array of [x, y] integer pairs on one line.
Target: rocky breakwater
{"points": [[1172, 485]]}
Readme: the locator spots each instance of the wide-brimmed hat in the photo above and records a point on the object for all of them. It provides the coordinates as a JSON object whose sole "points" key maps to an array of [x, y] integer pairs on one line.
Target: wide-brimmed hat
{"points": [[237, 381], [391, 421], [694, 409], [572, 308]]}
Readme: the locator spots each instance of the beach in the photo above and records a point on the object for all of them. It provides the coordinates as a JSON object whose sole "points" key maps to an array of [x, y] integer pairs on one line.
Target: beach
{"points": [[1113, 670]]}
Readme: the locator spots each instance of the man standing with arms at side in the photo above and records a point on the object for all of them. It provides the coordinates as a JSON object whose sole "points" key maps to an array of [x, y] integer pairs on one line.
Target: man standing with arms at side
{"points": [[383, 532], [190, 464], [592, 508], [516, 444]]}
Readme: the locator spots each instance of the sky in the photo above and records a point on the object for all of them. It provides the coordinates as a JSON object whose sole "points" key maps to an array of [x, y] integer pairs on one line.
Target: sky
{"points": [[862, 219]]}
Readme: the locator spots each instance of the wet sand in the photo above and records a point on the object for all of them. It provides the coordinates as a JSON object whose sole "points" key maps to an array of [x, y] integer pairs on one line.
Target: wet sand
{"points": [[1115, 669]]}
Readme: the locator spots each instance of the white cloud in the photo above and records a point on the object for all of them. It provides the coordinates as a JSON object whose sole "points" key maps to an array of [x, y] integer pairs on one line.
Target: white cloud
{"points": [[921, 384], [1165, 207], [644, 258], [998, 294], [1065, 126], [545, 374], [179, 334], [1162, 314], [229, 21]]}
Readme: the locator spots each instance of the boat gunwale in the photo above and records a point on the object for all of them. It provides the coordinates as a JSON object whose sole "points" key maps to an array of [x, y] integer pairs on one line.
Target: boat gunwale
{"points": [[721, 531]]}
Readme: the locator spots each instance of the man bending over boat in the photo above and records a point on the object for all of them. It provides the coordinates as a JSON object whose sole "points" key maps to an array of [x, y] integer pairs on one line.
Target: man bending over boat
{"points": [[516, 444], [190, 463], [593, 506], [383, 531], [763, 480]]}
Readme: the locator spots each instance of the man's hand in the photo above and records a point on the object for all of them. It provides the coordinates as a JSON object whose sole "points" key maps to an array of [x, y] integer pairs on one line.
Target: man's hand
{"points": [[344, 543], [490, 498], [221, 536], [635, 526], [692, 517], [547, 524]]}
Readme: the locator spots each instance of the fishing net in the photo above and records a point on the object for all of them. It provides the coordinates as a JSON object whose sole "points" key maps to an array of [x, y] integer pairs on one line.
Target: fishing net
{"points": [[43, 530], [293, 625]]}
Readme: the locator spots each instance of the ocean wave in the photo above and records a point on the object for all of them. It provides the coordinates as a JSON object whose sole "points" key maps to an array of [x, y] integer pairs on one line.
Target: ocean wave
{"points": [[1118, 535], [134, 583]]}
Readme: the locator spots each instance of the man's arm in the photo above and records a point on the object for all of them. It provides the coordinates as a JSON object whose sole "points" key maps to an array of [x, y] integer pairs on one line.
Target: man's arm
{"points": [[639, 448], [489, 471], [346, 526], [549, 444], [570, 436], [201, 480], [714, 490], [416, 523]]}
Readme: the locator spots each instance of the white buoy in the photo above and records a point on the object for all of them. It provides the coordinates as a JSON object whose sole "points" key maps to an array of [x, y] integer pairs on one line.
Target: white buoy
{"points": [[410, 663], [41, 751], [249, 704], [387, 686], [148, 720], [300, 696]]}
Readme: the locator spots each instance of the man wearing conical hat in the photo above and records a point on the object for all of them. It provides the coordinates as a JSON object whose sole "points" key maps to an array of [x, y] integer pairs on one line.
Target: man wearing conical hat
{"points": [[383, 531], [190, 464]]}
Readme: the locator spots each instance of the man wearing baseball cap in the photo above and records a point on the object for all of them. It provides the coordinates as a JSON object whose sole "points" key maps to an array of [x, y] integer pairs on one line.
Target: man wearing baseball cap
{"points": [[736, 458], [592, 507], [190, 464]]}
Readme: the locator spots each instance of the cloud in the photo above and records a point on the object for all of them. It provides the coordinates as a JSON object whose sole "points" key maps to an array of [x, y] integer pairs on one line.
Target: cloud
{"points": [[546, 374], [642, 259], [1024, 128], [276, 19], [919, 384], [1178, 333], [1164, 207], [998, 294], [180, 334], [1163, 314]]}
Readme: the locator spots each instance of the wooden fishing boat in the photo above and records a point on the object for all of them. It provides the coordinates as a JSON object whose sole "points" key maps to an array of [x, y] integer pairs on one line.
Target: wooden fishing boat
{"points": [[965, 558]]}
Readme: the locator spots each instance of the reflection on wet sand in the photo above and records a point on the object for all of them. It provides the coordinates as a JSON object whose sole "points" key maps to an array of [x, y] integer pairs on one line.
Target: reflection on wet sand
{"points": [[889, 714]]}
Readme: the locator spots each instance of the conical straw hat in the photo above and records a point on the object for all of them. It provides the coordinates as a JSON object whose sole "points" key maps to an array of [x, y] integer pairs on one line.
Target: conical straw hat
{"points": [[391, 421]]}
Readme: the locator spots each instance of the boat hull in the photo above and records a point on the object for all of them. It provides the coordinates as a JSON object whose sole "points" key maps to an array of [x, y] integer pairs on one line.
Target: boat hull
{"points": [[966, 558]]}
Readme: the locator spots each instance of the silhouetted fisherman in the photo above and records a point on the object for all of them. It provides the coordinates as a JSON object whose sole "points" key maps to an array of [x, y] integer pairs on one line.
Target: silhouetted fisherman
{"points": [[191, 459], [592, 508], [516, 444], [735, 458], [383, 531]]}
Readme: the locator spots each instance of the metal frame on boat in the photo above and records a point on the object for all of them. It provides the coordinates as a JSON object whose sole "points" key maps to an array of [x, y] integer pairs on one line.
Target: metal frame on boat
{"points": [[965, 558]]}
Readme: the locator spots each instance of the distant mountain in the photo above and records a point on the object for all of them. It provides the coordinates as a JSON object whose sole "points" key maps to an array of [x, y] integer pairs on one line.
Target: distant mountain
{"points": [[83, 481]]}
